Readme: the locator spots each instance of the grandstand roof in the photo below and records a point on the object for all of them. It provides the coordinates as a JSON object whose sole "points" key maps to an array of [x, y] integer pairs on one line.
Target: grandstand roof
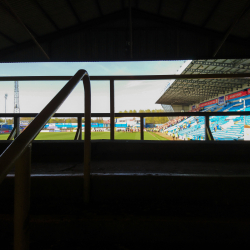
{"points": [[188, 92], [108, 30]]}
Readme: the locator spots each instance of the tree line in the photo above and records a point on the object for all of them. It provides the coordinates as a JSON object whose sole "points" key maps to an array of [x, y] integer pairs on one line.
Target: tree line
{"points": [[53, 120], [73, 120], [154, 120]]}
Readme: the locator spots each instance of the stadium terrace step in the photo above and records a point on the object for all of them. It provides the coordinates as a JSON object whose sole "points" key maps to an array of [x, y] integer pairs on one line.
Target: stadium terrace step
{"points": [[166, 192], [133, 228], [134, 208]]}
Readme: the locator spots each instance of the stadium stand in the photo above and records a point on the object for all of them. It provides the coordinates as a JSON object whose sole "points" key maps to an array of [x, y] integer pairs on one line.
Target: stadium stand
{"points": [[188, 201], [222, 127]]}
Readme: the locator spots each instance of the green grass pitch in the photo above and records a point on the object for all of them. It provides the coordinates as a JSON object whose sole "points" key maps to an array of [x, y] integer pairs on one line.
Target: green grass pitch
{"points": [[94, 136]]}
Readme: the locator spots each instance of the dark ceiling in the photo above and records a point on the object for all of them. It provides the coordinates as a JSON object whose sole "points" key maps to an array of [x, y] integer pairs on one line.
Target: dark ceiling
{"points": [[121, 30]]}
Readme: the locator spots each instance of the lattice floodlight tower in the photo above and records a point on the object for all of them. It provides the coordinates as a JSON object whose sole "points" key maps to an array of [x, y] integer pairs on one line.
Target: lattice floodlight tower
{"points": [[5, 97], [16, 98]]}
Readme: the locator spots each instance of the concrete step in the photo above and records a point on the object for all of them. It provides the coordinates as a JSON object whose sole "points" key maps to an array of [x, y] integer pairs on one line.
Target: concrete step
{"points": [[129, 228], [57, 193]]}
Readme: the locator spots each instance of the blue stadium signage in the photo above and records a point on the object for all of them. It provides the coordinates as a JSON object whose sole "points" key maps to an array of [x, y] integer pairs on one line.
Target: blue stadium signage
{"points": [[221, 100]]}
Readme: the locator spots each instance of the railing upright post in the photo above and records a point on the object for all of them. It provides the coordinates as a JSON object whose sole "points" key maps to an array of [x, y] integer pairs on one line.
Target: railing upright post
{"points": [[208, 133], [142, 127], [112, 110], [87, 138], [79, 127], [22, 200], [17, 126]]}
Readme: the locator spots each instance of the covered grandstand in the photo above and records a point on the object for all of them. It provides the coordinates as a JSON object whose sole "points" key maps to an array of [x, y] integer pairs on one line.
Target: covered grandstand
{"points": [[121, 194], [205, 95]]}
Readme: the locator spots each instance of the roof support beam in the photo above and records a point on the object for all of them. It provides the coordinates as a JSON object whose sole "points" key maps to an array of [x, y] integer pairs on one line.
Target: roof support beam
{"points": [[204, 71], [209, 92], [73, 11], [224, 65], [67, 31], [11, 12], [207, 71], [185, 9], [190, 86], [99, 7], [46, 14], [211, 13], [188, 27], [159, 7], [243, 12], [240, 62], [8, 38], [192, 91], [204, 94], [205, 89], [123, 3], [217, 83], [136, 3], [118, 15]]}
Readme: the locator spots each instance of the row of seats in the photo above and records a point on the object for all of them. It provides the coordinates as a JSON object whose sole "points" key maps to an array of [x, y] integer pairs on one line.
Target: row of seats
{"points": [[222, 127]]}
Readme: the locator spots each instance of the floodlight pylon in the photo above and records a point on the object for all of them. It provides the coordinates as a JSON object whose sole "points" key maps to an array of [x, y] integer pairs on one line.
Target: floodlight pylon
{"points": [[16, 97]]}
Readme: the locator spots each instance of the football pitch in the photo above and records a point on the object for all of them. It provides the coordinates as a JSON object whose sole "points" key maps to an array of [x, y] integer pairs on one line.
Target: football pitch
{"points": [[94, 136]]}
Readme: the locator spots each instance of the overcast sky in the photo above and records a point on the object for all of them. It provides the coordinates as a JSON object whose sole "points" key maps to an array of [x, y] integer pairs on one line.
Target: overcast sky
{"points": [[33, 96]]}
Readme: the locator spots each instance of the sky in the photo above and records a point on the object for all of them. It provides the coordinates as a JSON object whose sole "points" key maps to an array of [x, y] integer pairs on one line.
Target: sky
{"points": [[135, 95]]}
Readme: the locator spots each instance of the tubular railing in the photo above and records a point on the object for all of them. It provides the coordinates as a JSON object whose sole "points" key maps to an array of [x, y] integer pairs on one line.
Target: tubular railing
{"points": [[112, 80], [19, 151], [78, 135]]}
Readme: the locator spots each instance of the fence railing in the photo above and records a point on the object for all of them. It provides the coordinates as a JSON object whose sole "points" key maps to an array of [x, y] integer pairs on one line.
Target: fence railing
{"points": [[23, 141], [18, 154], [112, 113], [79, 116]]}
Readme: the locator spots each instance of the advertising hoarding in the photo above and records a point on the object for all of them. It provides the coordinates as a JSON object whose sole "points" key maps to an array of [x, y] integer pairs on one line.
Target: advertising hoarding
{"points": [[236, 95], [221, 100], [208, 103]]}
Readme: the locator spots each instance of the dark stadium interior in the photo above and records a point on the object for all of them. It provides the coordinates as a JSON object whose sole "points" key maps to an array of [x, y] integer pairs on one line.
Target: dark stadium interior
{"points": [[143, 194]]}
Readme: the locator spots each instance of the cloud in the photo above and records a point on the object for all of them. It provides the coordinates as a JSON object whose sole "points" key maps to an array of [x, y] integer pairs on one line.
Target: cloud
{"points": [[128, 94]]}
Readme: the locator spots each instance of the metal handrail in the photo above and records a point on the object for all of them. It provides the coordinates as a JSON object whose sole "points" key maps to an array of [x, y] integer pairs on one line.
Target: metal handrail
{"points": [[17, 147], [245, 76]]}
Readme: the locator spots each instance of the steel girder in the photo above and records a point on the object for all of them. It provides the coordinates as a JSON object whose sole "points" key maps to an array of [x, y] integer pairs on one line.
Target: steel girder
{"points": [[197, 84], [219, 64], [204, 88], [229, 81], [191, 91], [206, 71]]}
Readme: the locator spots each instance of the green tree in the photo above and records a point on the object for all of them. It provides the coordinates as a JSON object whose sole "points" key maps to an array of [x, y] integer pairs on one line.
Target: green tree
{"points": [[10, 121]]}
